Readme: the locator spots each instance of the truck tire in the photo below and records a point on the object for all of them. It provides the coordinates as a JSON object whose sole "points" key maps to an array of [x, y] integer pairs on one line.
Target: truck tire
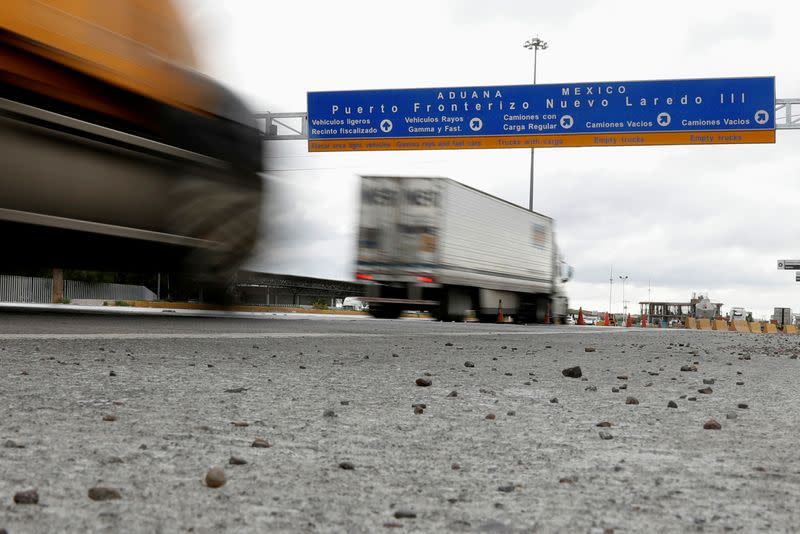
{"points": [[385, 311], [216, 211], [533, 308], [542, 303]]}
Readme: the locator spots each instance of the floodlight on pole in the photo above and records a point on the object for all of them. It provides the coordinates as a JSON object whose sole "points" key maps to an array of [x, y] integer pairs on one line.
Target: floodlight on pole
{"points": [[534, 44]]}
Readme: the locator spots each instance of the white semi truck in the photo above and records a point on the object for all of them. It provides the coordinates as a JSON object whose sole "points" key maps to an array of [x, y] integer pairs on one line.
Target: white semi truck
{"points": [[438, 245]]}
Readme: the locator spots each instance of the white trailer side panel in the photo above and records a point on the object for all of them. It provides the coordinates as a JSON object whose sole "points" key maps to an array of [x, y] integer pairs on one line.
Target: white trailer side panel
{"points": [[487, 242]]}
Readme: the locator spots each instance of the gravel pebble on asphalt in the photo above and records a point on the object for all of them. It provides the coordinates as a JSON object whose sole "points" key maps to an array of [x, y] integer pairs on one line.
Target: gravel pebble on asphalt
{"points": [[572, 372], [215, 478], [712, 424], [261, 443], [27, 497], [104, 493], [405, 514], [423, 382]]}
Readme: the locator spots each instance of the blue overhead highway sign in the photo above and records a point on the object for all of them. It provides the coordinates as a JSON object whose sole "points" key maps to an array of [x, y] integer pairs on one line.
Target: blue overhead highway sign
{"points": [[699, 111]]}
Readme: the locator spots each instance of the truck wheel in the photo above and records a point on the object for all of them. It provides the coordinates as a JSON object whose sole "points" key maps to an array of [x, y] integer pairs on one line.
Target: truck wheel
{"points": [[216, 211], [541, 308], [385, 312]]}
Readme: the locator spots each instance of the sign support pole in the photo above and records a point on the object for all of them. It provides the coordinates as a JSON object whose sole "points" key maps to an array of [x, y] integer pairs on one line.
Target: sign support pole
{"points": [[534, 44]]}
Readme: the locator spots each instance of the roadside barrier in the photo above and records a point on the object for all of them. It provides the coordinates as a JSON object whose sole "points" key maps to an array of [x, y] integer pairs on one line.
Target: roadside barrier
{"points": [[740, 326], [789, 329], [691, 323], [770, 328], [755, 328], [720, 325], [704, 324]]}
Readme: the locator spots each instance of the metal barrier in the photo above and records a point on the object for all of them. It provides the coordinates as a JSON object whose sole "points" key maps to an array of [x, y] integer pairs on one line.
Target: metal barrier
{"points": [[26, 289], [40, 290], [106, 291]]}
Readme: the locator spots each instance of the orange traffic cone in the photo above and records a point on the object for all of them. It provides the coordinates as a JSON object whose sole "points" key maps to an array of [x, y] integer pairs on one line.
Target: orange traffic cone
{"points": [[580, 317], [629, 321], [606, 323], [500, 318], [644, 320]]}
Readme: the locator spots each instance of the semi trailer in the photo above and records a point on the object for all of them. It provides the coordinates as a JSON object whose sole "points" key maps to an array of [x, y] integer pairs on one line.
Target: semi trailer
{"points": [[117, 154], [429, 243]]}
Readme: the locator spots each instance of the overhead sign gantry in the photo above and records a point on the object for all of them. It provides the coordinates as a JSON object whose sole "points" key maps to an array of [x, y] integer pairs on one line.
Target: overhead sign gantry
{"points": [[637, 113]]}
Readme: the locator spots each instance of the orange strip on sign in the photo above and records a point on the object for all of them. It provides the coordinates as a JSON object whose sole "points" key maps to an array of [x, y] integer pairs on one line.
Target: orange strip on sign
{"points": [[726, 137]]}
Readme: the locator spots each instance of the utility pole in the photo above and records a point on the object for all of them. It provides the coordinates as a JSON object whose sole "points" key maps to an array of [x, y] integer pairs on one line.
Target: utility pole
{"points": [[610, 287], [534, 44], [624, 305]]}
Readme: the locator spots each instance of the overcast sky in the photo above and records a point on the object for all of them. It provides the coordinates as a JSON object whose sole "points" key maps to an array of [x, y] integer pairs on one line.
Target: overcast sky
{"points": [[681, 219]]}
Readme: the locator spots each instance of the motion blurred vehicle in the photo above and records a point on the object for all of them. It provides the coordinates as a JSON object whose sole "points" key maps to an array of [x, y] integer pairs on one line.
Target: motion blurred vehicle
{"points": [[116, 153], [353, 303], [438, 245], [591, 319]]}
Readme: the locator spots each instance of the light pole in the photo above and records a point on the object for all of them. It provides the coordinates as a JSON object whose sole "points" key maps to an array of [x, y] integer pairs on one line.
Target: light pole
{"points": [[624, 306], [534, 44], [610, 288]]}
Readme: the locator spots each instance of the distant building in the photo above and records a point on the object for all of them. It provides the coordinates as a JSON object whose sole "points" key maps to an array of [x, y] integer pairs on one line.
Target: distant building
{"points": [[782, 316], [669, 313]]}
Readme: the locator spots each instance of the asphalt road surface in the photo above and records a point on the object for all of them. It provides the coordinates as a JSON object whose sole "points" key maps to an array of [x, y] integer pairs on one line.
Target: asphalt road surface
{"points": [[146, 405]]}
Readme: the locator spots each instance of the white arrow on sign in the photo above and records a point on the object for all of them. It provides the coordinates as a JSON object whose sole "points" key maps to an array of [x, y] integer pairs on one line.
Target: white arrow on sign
{"points": [[475, 124], [386, 126], [567, 122], [761, 116], [664, 119]]}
